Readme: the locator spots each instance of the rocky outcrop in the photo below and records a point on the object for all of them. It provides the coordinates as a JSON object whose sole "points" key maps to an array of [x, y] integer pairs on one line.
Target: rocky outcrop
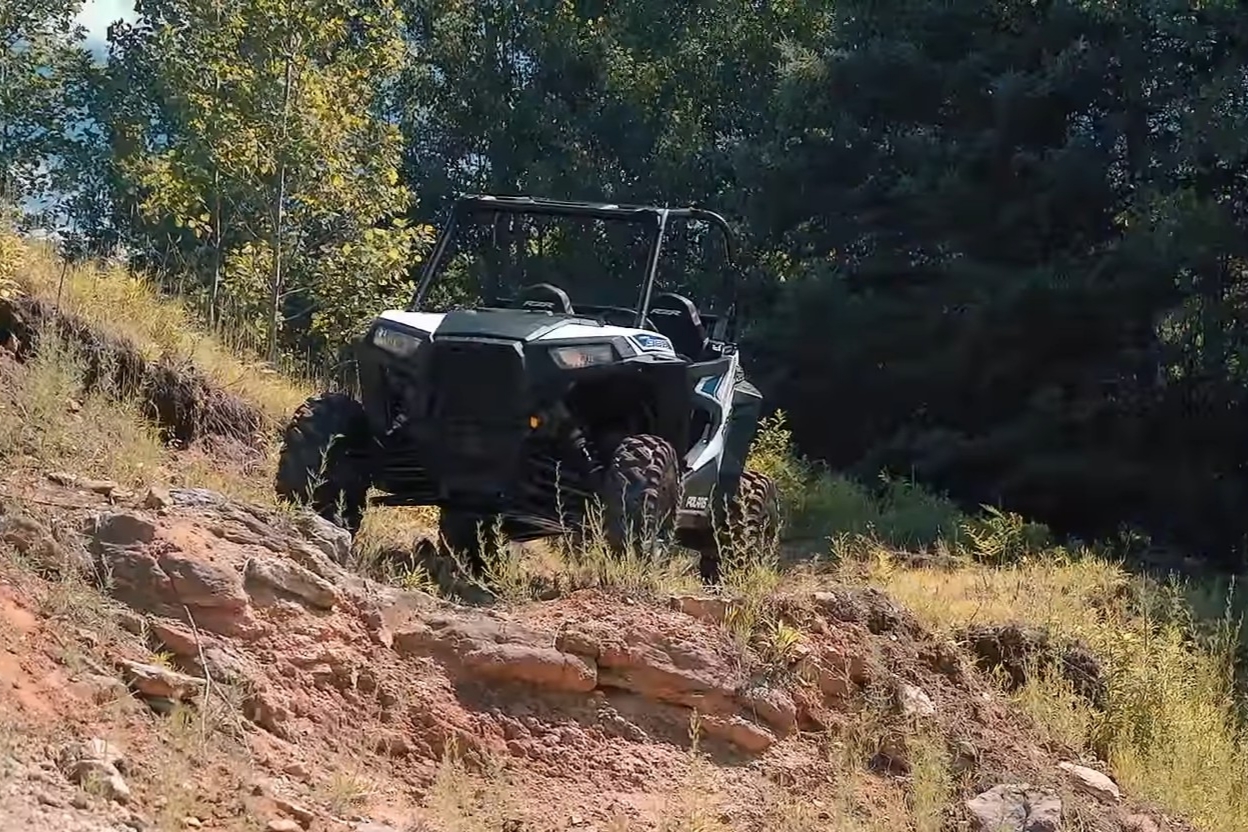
{"points": [[489, 650], [267, 578], [209, 573], [160, 570]]}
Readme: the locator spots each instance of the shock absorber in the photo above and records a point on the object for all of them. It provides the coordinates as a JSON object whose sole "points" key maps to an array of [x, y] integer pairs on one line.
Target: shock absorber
{"points": [[580, 444]]}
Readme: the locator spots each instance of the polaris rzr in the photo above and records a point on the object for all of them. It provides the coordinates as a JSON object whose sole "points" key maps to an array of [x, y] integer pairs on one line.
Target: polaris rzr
{"points": [[532, 393]]}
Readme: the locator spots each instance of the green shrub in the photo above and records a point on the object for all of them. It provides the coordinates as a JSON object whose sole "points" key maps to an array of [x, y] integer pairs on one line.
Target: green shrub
{"points": [[819, 503]]}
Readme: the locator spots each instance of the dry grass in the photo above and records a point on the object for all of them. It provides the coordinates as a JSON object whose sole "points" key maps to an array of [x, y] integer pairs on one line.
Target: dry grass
{"points": [[1171, 727], [46, 418], [117, 302], [486, 798]]}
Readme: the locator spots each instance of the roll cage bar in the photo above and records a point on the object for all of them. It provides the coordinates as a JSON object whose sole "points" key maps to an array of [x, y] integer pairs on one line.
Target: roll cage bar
{"points": [[658, 218]]}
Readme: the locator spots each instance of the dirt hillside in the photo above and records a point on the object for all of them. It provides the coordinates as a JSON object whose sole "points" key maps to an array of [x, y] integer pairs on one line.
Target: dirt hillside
{"points": [[176, 659]]}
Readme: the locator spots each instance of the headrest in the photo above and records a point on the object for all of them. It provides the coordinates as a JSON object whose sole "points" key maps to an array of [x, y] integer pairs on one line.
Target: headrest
{"points": [[544, 297], [667, 303]]}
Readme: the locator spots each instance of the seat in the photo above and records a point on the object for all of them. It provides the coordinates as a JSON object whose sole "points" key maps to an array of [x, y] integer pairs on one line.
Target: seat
{"points": [[544, 297], [677, 317]]}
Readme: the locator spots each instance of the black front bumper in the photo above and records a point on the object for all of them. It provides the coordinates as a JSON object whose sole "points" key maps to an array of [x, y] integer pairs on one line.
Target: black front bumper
{"points": [[464, 440]]}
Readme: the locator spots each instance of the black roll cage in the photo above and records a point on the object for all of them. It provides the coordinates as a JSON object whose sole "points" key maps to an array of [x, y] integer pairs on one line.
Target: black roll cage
{"points": [[658, 218]]}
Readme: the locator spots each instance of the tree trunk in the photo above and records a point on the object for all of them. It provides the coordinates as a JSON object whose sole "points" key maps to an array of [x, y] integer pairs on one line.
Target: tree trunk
{"points": [[215, 294], [214, 298], [279, 216]]}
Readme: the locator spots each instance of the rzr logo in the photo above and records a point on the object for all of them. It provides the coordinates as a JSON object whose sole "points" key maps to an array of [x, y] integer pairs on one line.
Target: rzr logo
{"points": [[653, 343], [672, 312], [540, 304]]}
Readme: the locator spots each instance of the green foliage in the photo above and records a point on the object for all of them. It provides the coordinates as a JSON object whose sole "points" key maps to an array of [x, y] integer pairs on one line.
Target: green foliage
{"points": [[773, 454], [38, 54], [819, 503], [275, 174], [999, 537]]}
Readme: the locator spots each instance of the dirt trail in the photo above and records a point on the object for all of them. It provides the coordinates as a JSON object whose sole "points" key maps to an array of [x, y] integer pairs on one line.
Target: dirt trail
{"points": [[247, 680]]}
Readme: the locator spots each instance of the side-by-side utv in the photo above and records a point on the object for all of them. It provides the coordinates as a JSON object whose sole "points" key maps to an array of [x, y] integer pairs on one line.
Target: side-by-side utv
{"points": [[538, 406]]}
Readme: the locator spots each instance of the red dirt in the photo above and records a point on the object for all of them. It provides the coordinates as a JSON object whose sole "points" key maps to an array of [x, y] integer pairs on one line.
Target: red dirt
{"points": [[346, 697]]}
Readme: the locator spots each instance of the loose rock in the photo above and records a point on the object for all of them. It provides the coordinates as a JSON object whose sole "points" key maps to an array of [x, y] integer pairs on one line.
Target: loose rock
{"points": [[157, 498], [714, 610], [1016, 808], [33, 541], [95, 765], [286, 577], [94, 749], [289, 807], [161, 683], [1092, 782], [914, 702]]}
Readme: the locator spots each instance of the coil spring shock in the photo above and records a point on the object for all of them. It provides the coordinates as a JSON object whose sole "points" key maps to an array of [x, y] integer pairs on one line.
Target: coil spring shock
{"points": [[580, 442]]}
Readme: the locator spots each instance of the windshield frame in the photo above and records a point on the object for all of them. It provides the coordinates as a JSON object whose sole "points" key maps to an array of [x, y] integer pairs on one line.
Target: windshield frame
{"points": [[657, 218]]}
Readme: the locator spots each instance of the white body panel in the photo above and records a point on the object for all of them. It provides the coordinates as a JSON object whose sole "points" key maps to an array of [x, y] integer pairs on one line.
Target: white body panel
{"points": [[428, 322], [710, 449]]}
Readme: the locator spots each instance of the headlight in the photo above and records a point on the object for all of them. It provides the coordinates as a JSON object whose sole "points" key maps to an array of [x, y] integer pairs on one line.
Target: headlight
{"points": [[396, 342], [582, 355]]}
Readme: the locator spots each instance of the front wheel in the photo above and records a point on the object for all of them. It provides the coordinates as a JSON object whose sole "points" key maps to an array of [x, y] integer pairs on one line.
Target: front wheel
{"points": [[319, 465], [748, 527], [641, 496]]}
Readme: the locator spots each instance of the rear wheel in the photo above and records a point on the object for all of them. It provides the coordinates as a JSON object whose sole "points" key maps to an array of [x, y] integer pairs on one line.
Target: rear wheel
{"points": [[641, 495], [748, 527], [319, 465]]}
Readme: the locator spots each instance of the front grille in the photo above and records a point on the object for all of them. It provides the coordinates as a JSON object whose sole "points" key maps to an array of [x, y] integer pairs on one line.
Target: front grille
{"points": [[476, 382], [477, 412]]}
